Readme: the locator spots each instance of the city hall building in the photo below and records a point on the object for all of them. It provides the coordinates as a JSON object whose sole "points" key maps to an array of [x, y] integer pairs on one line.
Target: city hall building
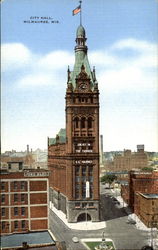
{"points": [[73, 156]]}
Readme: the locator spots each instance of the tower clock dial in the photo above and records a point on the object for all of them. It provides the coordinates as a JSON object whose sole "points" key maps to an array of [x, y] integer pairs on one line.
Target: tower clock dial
{"points": [[83, 87]]}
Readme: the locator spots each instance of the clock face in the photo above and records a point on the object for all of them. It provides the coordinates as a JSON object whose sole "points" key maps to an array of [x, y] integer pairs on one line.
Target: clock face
{"points": [[83, 87]]}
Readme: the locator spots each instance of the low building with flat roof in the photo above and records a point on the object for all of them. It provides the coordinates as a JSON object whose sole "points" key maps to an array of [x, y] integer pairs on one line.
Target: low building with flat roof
{"points": [[146, 208], [24, 198], [36, 240], [142, 181]]}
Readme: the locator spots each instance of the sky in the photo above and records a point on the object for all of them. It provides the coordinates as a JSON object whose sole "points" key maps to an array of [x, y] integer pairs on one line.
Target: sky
{"points": [[122, 45]]}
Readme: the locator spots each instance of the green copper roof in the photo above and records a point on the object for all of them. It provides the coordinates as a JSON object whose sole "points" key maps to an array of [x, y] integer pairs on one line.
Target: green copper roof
{"points": [[80, 31], [62, 132], [81, 57], [51, 141], [61, 137]]}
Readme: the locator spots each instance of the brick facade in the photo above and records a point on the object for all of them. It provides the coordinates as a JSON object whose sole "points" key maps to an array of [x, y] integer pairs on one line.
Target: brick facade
{"points": [[144, 182], [129, 160], [146, 208], [125, 192], [141, 194], [24, 201]]}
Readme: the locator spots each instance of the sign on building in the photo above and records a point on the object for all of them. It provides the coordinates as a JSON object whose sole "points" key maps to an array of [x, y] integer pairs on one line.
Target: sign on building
{"points": [[87, 189]]}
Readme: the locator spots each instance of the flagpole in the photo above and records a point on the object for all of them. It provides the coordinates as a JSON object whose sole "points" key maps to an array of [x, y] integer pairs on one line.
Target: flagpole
{"points": [[80, 13]]}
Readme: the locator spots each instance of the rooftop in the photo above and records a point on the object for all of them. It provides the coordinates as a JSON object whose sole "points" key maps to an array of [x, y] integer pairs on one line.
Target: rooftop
{"points": [[60, 138], [32, 239]]}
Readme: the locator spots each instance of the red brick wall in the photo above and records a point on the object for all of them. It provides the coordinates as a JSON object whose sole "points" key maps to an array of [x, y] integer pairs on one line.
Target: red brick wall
{"points": [[142, 182], [19, 202], [39, 224], [5, 189], [38, 185], [6, 202], [125, 193], [6, 213], [38, 198], [19, 216], [19, 229], [19, 188], [6, 229], [40, 211], [146, 209]]}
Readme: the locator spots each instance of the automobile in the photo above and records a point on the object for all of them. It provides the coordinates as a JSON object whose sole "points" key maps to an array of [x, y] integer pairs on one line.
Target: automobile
{"points": [[118, 206], [75, 239], [131, 221], [147, 248], [114, 199], [117, 202]]}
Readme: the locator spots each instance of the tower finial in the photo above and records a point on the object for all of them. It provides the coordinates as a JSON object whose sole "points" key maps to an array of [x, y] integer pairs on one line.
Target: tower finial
{"points": [[68, 74]]}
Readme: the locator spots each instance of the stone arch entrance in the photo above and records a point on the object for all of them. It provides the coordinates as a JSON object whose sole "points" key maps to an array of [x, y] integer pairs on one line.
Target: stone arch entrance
{"points": [[83, 217]]}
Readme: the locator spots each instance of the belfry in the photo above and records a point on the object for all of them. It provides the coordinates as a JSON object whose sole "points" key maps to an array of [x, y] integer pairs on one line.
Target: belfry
{"points": [[73, 156]]}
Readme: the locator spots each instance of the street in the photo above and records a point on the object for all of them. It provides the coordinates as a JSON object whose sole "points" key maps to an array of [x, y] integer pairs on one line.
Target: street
{"points": [[125, 236]]}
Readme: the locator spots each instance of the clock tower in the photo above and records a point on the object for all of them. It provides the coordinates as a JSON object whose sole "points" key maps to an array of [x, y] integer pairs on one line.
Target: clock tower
{"points": [[73, 156], [82, 131]]}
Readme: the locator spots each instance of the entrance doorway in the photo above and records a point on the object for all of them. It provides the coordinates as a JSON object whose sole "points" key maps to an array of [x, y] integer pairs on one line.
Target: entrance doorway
{"points": [[83, 217]]}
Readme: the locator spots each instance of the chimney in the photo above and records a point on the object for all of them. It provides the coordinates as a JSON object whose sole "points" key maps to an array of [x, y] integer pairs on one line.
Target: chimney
{"points": [[140, 148], [25, 245], [27, 149]]}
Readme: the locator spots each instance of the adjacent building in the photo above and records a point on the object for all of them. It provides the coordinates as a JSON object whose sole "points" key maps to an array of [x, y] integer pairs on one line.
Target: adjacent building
{"points": [[24, 201], [18, 161], [73, 156], [141, 194], [144, 182], [146, 208], [130, 160]]}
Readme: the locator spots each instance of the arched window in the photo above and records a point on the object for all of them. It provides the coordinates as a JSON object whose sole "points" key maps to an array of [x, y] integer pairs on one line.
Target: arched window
{"points": [[76, 122], [83, 122], [90, 122]]}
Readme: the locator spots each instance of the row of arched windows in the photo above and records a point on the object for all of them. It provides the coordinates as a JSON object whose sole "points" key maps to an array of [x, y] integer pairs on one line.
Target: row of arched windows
{"points": [[83, 100], [83, 122]]}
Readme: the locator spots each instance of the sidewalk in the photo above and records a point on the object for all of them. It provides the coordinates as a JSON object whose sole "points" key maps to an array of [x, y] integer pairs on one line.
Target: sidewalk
{"points": [[86, 225]]}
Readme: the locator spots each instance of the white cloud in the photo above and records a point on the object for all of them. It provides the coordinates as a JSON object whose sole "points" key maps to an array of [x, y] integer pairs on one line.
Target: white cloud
{"points": [[102, 59], [127, 79], [113, 71], [15, 56], [134, 44], [40, 79], [56, 60], [117, 72]]}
